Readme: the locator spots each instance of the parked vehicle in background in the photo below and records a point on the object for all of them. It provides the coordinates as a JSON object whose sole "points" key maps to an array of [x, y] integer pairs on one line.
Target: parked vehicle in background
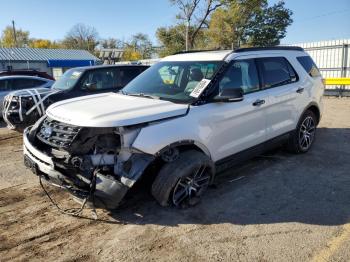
{"points": [[186, 118], [26, 72], [23, 108], [9, 84]]}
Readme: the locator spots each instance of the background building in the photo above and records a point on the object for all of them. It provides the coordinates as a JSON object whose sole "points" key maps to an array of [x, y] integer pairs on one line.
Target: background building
{"points": [[52, 61]]}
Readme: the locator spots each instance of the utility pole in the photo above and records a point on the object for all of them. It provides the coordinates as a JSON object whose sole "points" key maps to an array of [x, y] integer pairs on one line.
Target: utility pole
{"points": [[14, 32]]}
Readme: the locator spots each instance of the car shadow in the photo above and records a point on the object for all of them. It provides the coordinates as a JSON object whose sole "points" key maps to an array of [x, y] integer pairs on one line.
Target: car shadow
{"points": [[277, 187], [2, 123]]}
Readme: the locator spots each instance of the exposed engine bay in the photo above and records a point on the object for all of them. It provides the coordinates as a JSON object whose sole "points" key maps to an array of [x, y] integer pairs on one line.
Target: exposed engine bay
{"points": [[93, 162]]}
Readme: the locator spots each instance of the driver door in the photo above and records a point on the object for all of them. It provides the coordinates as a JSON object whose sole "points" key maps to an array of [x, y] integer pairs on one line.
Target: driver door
{"points": [[237, 126]]}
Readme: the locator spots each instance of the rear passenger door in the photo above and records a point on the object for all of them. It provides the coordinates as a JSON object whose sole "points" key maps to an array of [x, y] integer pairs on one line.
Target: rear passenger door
{"points": [[280, 79]]}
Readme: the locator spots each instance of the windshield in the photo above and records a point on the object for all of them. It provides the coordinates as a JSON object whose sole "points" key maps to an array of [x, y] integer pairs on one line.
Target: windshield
{"points": [[173, 81], [68, 79]]}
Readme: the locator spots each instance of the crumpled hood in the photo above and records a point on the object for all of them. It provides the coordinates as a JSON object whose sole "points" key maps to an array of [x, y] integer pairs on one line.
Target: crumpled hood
{"points": [[112, 110]]}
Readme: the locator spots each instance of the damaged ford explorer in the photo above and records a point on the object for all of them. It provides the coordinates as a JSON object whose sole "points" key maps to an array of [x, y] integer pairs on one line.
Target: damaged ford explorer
{"points": [[183, 120]]}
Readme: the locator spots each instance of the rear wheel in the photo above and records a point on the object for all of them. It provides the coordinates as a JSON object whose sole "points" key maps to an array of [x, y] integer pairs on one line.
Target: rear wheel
{"points": [[182, 182], [303, 137]]}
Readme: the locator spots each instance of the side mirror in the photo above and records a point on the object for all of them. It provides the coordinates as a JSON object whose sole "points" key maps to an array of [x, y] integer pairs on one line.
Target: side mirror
{"points": [[91, 86], [230, 95]]}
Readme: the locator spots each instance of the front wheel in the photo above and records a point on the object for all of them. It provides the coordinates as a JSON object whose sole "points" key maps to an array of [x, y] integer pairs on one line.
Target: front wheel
{"points": [[303, 137], [182, 182]]}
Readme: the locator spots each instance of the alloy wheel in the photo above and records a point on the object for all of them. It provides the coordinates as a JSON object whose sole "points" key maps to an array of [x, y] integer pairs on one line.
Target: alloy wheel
{"points": [[307, 133], [191, 186]]}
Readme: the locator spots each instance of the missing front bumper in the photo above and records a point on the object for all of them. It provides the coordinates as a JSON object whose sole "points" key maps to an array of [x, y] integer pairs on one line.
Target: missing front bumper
{"points": [[109, 190]]}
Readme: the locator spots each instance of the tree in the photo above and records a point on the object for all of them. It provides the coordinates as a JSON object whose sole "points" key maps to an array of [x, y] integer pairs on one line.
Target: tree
{"points": [[194, 14], [228, 23], [44, 43], [131, 55], [81, 36], [248, 23], [172, 39], [268, 26], [141, 44], [112, 43], [8, 40]]}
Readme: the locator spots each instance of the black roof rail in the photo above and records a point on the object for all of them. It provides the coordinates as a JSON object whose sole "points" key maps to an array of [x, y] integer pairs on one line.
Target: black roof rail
{"points": [[247, 49], [197, 51]]}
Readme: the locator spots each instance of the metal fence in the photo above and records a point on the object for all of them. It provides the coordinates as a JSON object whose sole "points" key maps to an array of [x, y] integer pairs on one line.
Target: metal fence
{"points": [[332, 58]]}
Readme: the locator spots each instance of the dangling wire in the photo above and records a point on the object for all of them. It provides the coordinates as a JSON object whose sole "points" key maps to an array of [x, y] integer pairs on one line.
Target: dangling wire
{"points": [[75, 211]]}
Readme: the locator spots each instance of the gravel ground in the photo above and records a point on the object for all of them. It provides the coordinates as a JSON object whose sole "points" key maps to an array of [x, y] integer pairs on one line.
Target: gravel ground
{"points": [[276, 207]]}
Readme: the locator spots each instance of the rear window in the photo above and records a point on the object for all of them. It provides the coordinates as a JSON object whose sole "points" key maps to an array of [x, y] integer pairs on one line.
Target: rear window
{"points": [[309, 65], [22, 83], [276, 71]]}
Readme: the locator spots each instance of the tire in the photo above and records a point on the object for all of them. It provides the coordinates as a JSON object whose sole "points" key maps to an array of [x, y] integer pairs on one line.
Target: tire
{"points": [[303, 137], [190, 174]]}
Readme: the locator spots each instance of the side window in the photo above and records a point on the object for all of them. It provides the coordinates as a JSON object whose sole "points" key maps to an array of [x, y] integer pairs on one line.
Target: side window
{"points": [[22, 83], [37, 82], [309, 65], [128, 74], [276, 71], [241, 74], [3, 85], [99, 79], [169, 75]]}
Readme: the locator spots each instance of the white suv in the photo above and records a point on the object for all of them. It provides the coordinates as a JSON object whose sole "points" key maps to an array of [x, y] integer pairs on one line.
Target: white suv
{"points": [[182, 121]]}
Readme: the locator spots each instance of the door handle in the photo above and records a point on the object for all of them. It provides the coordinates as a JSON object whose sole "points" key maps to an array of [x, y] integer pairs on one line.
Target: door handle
{"points": [[259, 102], [300, 90]]}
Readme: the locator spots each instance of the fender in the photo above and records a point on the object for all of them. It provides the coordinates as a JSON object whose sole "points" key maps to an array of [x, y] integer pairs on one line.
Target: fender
{"points": [[201, 146], [312, 104]]}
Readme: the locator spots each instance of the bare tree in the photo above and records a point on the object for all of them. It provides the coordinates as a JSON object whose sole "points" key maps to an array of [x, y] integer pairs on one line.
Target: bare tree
{"points": [[195, 14], [81, 36], [111, 43]]}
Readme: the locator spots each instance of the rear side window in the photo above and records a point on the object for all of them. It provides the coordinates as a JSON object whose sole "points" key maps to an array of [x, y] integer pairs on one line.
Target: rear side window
{"points": [[128, 74], [100, 79], [276, 71], [309, 65]]}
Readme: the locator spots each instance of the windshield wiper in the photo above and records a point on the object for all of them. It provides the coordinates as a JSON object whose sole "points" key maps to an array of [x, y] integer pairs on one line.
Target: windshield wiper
{"points": [[141, 95]]}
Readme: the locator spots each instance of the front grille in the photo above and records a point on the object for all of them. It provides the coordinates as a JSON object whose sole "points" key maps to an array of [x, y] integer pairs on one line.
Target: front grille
{"points": [[57, 134]]}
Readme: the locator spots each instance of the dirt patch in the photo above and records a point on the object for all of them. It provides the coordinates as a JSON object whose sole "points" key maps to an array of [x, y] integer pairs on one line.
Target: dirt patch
{"points": [[282, 208]]}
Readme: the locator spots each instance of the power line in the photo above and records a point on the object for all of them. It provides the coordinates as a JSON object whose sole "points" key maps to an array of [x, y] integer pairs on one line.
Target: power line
{"points": [[324, 15]]}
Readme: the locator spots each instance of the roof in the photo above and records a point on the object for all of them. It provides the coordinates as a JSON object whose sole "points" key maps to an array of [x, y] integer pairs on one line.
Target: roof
{"points": [[25, 77], [41, 54], [108, 66], [272, 48], [217, 55], [199, 56]]}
